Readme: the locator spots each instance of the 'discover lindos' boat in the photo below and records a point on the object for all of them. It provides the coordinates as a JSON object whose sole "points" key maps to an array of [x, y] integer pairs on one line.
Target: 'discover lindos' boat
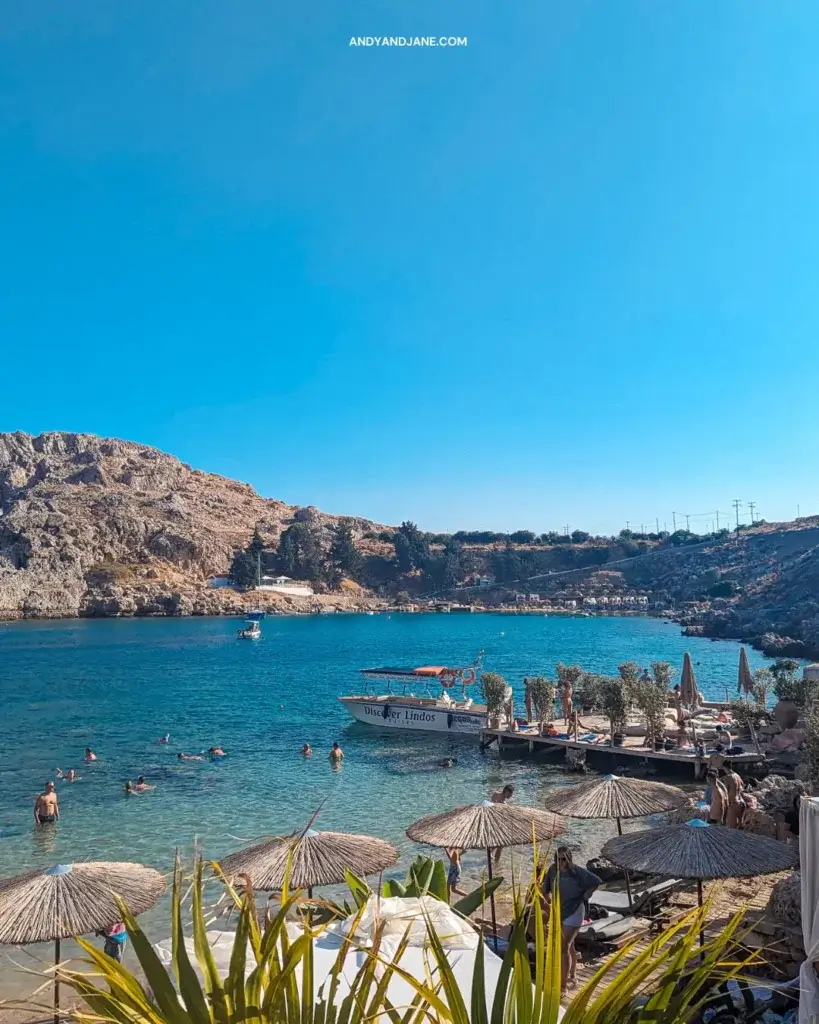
{"points": [[442, 705]]}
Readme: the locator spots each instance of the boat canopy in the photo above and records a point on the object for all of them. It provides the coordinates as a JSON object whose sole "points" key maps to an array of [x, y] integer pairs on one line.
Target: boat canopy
{"points": [[428, 671]]}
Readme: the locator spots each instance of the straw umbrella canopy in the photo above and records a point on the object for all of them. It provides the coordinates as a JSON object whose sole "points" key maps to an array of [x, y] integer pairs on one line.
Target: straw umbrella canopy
{"points": [[72, 899], [688, 683], [745, 681], [701, 851], [486, 826], [313, 858], [615, 797]]}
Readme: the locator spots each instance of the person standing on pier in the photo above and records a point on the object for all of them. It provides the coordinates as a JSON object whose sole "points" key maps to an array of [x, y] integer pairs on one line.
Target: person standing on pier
{"points": [[566, 694]]}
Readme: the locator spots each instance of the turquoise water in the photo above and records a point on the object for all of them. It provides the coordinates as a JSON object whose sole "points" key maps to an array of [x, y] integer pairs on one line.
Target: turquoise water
{"points": [[117, 685]]}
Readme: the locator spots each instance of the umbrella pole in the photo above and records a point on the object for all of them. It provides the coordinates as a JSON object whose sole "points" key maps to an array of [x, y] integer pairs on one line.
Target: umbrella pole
{"points": [[625, 873], [492, 900], [56, 981], [699, 901], [309, 891]]}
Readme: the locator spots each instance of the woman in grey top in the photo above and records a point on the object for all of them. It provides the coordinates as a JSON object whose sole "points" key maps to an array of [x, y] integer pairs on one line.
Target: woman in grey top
{"points": [[575, 885]]}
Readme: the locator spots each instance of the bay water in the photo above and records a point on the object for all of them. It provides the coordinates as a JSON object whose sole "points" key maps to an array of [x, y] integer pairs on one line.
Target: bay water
{"points": [[119, 685]]}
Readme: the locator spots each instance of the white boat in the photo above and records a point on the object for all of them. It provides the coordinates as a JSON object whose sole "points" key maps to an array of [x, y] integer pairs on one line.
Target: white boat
{"points": [[450, 710], [250, 631]]}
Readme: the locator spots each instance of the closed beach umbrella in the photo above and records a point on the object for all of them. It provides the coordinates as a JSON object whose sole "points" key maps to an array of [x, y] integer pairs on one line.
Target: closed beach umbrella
{"points": [[745, 681], [688, 684], [72, 899], [615, 797], [698, 850], [486, 826], [314, 858]]}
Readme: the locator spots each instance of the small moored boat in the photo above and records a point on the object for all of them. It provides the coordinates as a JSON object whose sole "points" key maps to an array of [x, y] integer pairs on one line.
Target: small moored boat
{"points": [[250, 631]]}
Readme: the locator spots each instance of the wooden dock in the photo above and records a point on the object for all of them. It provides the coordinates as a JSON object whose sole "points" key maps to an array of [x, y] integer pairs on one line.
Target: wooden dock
{"points": [[529, 740]]}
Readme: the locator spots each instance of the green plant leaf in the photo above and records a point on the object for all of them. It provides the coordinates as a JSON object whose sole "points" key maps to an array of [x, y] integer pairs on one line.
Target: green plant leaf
{"points": [[468, 904]]}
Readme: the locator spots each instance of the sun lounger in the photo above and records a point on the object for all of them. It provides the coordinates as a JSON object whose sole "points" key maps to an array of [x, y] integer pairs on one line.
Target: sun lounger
{"points": [[644, 901]]}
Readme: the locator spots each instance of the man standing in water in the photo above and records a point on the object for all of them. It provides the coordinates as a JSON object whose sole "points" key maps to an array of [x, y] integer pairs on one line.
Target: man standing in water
{"points": [[336, 754], [46, 811]]}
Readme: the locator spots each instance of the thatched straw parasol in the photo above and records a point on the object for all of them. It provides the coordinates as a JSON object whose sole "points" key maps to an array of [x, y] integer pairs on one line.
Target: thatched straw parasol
{"points": [[486, 826], [698, 850], [314, 858], [72, 899], [688, 684], [615, 797], [745, 681]]}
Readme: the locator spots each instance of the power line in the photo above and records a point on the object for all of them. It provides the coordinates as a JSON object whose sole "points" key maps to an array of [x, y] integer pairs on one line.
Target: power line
{"points": [[752, 506]]}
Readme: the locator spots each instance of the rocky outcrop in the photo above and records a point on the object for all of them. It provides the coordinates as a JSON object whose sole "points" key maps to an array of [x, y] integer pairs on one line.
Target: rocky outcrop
{"points": [[97, 526]]}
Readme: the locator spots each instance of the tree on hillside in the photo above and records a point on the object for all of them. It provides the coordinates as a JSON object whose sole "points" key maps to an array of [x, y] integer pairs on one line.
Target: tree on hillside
{"points": [[344, 558], [522, 537], [580, 536], [244, 566], [446, 572], [411, 549], [300, 553]]}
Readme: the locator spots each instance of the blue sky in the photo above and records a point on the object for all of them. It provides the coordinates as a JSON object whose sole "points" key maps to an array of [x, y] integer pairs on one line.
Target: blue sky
{"points": [[564, 274]]}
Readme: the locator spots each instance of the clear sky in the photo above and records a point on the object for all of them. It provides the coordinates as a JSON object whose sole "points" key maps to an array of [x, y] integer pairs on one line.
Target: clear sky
{"points": [[565, 274]]}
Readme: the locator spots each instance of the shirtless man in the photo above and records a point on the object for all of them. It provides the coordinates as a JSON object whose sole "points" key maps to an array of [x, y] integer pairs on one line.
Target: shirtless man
{"points": [[336, 754], [89, 755], [719, 800], [46, 811], [736, 805], [566, 693], [501, 797]]}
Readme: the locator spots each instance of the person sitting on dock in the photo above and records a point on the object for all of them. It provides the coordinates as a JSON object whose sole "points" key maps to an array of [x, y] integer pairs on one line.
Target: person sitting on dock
{"points": [[724, 737], [717, 797]]}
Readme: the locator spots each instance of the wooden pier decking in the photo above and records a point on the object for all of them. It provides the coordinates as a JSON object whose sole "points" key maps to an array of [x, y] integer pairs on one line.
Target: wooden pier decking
{"points": [[633, 747]]}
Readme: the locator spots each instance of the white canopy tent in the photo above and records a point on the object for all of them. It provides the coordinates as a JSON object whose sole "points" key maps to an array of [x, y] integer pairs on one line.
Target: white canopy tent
{"points": [[457, 936], [809, 873]]}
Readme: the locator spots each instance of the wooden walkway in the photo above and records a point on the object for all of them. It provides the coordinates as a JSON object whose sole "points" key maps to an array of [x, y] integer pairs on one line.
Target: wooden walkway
{"points": [[529, 740]]}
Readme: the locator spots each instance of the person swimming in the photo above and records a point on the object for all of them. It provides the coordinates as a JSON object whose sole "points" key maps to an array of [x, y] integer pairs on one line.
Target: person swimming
{"points": [[216, 752], [448, 762], [336, 754], [190, 757], [142, 785], [71, 776], [89, 755], [164, 740], [129, 788], [307, 750]]}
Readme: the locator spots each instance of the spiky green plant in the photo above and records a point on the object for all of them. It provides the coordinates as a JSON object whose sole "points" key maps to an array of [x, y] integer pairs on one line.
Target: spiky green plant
{"points": [[271, 977]]}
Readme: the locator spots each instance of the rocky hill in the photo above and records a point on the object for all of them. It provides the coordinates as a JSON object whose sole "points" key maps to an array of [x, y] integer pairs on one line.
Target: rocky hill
{"points": [[93, 525]]}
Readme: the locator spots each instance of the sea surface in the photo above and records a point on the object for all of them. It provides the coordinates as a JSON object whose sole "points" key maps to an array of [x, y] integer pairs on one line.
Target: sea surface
{"points": [[118, 685]]}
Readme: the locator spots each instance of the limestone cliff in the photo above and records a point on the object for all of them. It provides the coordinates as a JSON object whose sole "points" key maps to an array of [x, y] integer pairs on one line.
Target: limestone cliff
{"points": [[92, 525]]}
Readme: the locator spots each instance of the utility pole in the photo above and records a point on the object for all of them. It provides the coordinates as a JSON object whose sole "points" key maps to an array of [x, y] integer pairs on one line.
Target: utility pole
{"points": [[674, 518], [737, 503], [752, 506], [657, 523], [717, 520], [687, 517], [628, 523], [642, 527]]}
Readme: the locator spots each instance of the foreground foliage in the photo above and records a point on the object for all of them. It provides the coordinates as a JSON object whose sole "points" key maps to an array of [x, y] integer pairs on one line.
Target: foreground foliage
{"points": [[271, 977]]}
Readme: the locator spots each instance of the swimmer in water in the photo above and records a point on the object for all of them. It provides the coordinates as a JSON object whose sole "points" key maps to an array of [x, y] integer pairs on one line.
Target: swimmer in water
{"points": [[142, 785], [190, 757], [336, 754], [448, 762], [129, 788], [307, 750], [217, 752], [164, 740], [60, 773], [71, 776], [89, 755]]}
